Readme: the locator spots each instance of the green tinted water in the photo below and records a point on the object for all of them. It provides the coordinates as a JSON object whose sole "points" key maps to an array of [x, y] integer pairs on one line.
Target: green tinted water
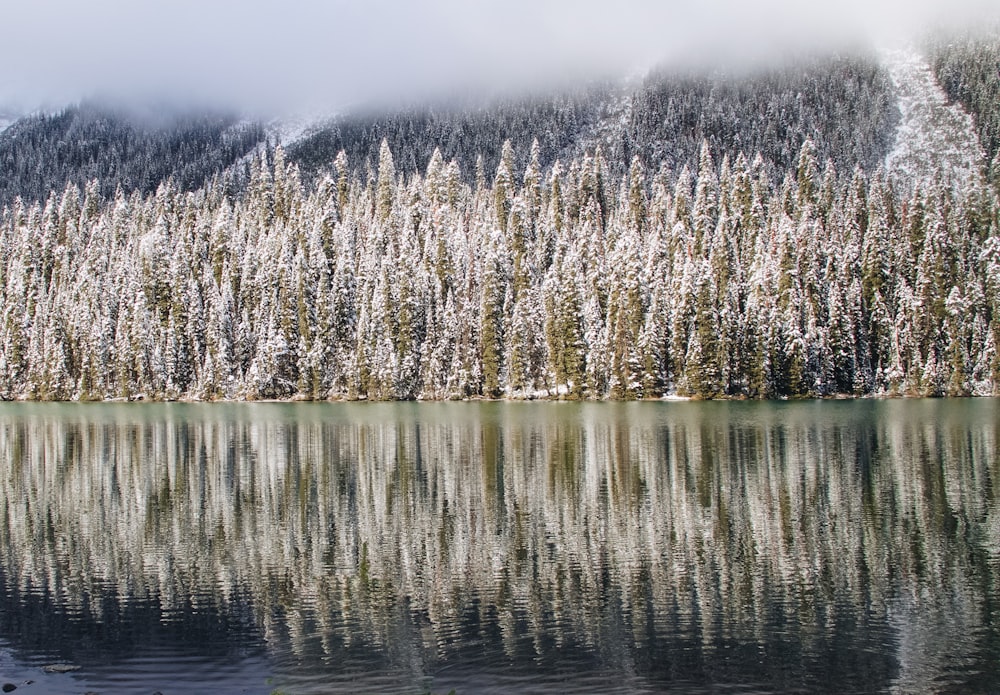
{"points": [[489, 547]]}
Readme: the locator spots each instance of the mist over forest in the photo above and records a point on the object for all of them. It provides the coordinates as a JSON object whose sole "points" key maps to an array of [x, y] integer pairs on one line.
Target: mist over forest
{"points": [[698, 231]]}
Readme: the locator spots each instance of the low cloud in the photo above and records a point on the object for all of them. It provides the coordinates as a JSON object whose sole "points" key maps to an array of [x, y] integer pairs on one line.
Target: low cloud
{"points": [[270, 55]]}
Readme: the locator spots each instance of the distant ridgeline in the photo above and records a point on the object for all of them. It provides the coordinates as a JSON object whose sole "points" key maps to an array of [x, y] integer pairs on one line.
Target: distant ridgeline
{"points": [[737, 276]]}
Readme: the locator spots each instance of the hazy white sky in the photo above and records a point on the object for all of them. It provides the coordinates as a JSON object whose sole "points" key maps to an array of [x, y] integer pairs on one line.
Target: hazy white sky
{"points": [[296, 53]]}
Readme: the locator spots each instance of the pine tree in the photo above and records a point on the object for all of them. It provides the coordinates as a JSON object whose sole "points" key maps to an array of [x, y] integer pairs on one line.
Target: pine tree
{"points": [[492, 326], [503, 184], [956, 330], [385, 191], [705, 210], [704, 376], [807, 179]]}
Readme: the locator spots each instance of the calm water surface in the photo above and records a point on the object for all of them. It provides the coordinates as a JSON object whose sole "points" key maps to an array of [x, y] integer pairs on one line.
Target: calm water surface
{"points": [[495, 548]]}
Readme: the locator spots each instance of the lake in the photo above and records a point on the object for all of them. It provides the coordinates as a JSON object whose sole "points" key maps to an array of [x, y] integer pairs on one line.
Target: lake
{"points": [[501, 547]]}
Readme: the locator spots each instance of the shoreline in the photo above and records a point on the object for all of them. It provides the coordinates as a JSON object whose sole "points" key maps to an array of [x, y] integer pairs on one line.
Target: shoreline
{"points": [[672, 398]]}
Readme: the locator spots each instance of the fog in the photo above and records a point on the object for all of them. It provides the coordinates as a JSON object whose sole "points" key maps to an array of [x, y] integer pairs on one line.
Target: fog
{"points": [[297, 54]]}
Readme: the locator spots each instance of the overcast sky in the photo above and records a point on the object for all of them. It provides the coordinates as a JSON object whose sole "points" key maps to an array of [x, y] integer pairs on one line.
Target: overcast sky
{"points": [[298, 53]]}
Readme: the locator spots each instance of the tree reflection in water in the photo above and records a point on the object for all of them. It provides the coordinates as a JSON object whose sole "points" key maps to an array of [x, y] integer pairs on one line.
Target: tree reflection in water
{"points": [[589, 546]]}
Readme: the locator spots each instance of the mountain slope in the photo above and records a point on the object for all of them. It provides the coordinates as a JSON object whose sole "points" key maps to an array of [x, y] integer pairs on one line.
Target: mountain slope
{"points": [[844, 105], [934, 137], [848, 107], [968, 69], [42, 153], [392, 282]]}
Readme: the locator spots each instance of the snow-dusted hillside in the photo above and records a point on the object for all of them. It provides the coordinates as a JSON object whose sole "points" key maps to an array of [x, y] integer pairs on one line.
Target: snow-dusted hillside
{"points": [[864, 111], [119, 148], [7, 118], [843, 104], [933, 135]]}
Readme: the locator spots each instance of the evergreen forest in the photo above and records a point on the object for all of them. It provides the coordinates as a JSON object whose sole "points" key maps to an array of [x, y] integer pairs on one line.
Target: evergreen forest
{"points": [[692, 253]]}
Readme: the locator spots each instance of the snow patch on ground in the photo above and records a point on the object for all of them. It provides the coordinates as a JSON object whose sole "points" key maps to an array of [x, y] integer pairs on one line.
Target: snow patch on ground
{"points": [[283, 131], [933, 136], [288, 131]]}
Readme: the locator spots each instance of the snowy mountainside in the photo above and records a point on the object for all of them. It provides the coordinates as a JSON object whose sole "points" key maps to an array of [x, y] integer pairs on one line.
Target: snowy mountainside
{"points": [[968, 69], [402, 281], [843, 104], [43, 152], [934, 136], [858, 111], [464, 133]]}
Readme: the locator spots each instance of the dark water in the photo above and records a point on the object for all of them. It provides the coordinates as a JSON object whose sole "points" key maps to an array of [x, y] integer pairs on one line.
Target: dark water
{"points": [[495, 548]]}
